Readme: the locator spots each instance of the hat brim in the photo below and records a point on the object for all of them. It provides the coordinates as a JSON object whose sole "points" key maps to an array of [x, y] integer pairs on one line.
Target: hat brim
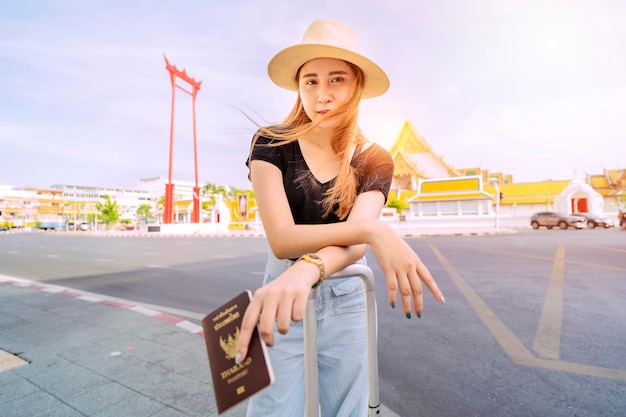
{"points": [[283, 67]]}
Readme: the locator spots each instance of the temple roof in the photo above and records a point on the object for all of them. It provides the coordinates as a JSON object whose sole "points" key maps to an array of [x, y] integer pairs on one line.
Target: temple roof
{"points": [[413, 155], [611, 183]]}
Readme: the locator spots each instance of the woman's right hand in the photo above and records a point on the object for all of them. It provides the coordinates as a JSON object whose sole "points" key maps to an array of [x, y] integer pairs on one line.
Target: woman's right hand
{"points": [[403, 269], [281, 301]]}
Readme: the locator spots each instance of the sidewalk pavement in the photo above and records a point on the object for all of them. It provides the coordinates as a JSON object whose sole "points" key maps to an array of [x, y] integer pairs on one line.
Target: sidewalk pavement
{"points": [[68, 353]]}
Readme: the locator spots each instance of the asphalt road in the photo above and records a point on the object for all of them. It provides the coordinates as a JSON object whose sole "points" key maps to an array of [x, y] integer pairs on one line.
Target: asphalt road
{"points": [[534, 324]]}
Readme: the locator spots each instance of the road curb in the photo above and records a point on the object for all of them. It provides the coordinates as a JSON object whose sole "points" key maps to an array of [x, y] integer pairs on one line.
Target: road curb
{"points": [[404, 232], [94, 298]]}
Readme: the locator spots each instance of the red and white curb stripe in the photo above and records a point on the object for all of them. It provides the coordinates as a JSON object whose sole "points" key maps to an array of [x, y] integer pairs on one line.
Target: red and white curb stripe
{"points": [[129, 234], [79, 295]]}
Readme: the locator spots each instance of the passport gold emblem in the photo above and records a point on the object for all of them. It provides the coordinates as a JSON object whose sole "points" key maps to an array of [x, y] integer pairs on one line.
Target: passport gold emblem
{"points": [[229, 346]]}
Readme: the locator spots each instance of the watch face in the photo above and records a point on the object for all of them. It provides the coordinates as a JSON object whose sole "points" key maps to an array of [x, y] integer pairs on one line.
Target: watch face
{"points": [[313, 259]]}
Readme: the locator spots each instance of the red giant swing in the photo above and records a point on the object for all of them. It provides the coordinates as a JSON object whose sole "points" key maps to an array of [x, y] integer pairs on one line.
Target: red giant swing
{"points": [[168, 211]]}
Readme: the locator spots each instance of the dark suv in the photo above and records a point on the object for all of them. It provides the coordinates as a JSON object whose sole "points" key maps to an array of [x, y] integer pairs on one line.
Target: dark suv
{"points": [[594, 220], [551, 219]]}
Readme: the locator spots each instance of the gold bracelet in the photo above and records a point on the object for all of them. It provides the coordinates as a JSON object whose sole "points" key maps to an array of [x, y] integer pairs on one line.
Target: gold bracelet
{"points": [[315, 260]]}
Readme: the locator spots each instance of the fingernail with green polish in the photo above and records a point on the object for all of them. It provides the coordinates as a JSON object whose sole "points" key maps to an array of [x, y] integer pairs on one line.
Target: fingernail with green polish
{"points": [[419, 314], [393, 305], [408, 315]]}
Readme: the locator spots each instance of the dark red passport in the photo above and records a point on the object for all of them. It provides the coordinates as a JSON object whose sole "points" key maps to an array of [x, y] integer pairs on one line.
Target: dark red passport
{"points": [[234, 383]]}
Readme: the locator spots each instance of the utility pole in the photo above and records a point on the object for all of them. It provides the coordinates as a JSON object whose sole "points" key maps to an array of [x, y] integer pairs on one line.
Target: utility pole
{"points": [[494, 182]]}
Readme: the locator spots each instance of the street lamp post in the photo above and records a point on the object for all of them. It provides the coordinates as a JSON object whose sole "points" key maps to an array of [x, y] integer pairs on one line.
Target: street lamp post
{"points": [[497, 186], [75, 210]]}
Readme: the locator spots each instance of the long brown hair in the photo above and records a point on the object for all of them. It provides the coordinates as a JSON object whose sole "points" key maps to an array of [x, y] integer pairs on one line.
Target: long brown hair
{"points": [[341, 196]]}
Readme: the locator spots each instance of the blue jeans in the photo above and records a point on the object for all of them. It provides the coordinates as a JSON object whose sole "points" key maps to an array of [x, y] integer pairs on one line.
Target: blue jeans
{"points": [[342, 354]]}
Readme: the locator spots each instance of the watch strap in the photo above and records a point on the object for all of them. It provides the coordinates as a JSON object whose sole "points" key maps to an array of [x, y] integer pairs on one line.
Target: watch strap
{"points": [[314, 259]]}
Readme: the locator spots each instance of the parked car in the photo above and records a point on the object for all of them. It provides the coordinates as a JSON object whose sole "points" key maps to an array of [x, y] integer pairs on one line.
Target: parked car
{"points": [[551, 219], [593, 220]]}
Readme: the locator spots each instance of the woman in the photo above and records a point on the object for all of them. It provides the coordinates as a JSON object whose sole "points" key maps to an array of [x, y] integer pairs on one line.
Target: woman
{"points": [[320, 188]]}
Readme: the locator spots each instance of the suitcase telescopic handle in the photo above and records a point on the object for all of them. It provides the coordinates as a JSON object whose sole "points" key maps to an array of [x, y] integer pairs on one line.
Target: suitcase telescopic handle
{"points": [[311, 375]]}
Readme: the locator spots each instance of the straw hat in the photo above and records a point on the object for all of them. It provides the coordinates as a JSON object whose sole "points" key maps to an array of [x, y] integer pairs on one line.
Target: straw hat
{"points": [[326, 39]]}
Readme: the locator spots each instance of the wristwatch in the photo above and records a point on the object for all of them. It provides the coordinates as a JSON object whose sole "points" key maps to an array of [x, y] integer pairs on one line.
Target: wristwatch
{"points": [[315, 260]]}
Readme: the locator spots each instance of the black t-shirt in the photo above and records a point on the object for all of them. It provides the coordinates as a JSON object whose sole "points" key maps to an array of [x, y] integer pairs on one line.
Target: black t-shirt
{"points": [[374, 168]]}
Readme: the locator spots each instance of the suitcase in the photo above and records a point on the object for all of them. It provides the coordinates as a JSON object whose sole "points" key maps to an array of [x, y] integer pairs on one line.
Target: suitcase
{"points": [[310, 343]]}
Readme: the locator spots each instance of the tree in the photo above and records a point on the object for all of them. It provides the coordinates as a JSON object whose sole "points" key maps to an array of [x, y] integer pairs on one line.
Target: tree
{"points": [[145, 212], [397, 204], [235, 191], [210, 192], [161, 204], [109, 210]]}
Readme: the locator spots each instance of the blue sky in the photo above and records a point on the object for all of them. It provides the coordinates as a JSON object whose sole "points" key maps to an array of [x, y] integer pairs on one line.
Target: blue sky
{"points": [[536, 88]]}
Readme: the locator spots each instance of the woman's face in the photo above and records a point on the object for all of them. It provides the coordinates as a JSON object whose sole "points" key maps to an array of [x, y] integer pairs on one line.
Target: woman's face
{"points": [[324, 84]]}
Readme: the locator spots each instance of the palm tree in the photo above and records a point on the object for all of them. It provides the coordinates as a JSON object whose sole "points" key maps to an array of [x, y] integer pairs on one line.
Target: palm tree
{"points": [[210, 192]]}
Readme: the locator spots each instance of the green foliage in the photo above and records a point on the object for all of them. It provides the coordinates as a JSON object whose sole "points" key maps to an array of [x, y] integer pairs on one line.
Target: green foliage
{"points": [[235, 191], [210, 192], [397, 204], [109, 210], [144, 211]]}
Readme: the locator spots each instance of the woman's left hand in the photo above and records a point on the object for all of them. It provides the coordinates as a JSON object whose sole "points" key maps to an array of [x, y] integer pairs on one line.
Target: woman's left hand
{"points": [[403, 269]]}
